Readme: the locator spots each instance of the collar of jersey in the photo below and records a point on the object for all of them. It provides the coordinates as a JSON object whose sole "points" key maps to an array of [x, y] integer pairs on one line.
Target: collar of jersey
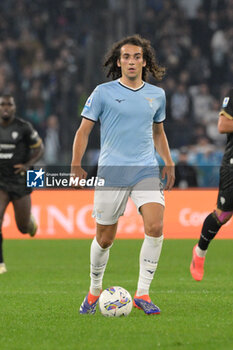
{"points": [[127, 87]]}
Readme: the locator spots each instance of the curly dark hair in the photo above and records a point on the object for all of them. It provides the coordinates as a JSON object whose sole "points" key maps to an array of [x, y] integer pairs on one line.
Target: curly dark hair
{"points": [[110, 61]]}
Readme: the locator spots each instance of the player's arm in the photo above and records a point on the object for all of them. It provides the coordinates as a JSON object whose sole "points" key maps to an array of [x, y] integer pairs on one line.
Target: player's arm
{"points": [[162, 147], [36, 153], [79, 148], [225, 123]]}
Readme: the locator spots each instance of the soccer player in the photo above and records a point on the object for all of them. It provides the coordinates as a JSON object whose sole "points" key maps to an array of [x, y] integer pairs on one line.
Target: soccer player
{"points": [[131, 114], [224, 210], [20, 148]]}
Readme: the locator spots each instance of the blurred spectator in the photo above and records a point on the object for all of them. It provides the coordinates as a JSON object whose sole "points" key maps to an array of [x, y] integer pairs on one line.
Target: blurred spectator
{"points": [[202, 102], [52, 141], [208, 160], [199, 131], [180, 103], [219, 50], [51, 52], [201, 31], [203, 146], [190, 7], [211, 122], [186, 175], [198, 67]]}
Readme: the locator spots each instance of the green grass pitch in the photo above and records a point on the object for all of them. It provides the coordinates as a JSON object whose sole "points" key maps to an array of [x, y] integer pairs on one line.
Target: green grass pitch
{"points": [[46, 281]]}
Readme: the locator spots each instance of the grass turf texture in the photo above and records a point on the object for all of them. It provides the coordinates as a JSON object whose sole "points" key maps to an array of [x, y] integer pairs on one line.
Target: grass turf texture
{"points": [[47, 280]]}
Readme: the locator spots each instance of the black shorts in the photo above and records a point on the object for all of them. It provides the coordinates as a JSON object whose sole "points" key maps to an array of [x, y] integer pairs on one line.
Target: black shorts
{"points": [[225, 195], [15, 187]]}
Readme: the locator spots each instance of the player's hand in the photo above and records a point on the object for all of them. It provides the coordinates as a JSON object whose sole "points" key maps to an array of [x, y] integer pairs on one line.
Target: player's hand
{"points": [[169, 172], [77, 172], [20, 169]]}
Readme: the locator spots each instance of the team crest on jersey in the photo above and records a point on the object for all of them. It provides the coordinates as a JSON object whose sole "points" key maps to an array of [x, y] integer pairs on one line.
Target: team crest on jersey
{"points": [[225, 102], [150, 100], [14, 134], [222, 200]]}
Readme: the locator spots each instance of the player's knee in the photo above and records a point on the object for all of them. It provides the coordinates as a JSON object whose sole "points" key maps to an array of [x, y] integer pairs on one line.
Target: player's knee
{"points": [[154, 229], [105, 242], [222, 217]]}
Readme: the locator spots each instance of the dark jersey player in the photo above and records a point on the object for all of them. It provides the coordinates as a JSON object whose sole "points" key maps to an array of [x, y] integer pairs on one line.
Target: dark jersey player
{"points": [[224, 210], [20, 148]]}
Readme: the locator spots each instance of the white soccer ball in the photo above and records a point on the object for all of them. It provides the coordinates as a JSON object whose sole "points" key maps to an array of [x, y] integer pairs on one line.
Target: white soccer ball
{"points": [[115, 302]]}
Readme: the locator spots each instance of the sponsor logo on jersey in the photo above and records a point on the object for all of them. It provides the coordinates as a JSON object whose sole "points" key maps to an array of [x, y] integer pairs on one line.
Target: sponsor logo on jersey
{"points": [[6, 155], [35, 178], [6, 146], [225, 101], [14, 134]]}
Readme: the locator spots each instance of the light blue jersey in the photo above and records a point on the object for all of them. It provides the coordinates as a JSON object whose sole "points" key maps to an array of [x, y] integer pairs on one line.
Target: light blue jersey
{"points": [[126, 117]]}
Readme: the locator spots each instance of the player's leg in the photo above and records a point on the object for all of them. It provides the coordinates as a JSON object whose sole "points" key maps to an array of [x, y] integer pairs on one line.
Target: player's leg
{"points": [[4, 201], [149, 199], [210, 228], [108, 207], [152, 214], [23, 217], [99, 256], [212, 224], [105, 235]]}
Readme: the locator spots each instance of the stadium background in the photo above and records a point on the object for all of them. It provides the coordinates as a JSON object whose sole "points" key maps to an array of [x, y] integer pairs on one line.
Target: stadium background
{"points": [[70, 217], [51, 55], [50, 60]]}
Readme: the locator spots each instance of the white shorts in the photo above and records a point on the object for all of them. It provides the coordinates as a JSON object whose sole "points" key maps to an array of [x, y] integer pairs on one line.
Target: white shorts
{"points": [[110, 203]]}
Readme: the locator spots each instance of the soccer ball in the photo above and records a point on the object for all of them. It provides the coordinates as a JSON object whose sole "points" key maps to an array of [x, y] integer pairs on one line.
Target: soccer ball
{"points": [[115, 302]]}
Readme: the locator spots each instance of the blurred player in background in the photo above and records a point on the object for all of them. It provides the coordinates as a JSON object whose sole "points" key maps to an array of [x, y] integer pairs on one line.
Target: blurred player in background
{"points": [[131, 114], [224, 210], [20, 148]]}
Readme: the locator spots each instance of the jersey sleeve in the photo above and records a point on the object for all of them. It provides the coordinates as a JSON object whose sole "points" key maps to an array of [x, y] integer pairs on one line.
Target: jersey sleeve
{"points": [[31, 136], [160, 114], [92, 109], [227, 105]]}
